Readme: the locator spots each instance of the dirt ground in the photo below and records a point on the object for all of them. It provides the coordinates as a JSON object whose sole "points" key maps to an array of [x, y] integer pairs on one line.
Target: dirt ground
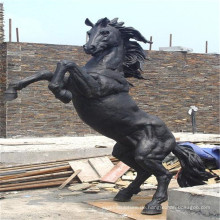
{"points": [[55, 204]]}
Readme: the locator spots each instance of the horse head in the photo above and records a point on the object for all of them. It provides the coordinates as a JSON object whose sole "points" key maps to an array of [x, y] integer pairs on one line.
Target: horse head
{"points": [[101, 36], [106, 34]]}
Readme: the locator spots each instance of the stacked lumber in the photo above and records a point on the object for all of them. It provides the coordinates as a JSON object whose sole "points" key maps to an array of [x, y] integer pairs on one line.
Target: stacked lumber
{"points": [[34, 176], [40, 175]]}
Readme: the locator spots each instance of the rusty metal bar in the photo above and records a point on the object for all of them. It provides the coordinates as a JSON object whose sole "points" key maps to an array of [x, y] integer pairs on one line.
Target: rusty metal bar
{"points": [[150, 45], [17, 35], [10, 29], [171, 40], [206, 47]]}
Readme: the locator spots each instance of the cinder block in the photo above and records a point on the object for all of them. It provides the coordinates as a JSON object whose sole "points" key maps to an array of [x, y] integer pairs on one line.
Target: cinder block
{"points": [[202, 202]]}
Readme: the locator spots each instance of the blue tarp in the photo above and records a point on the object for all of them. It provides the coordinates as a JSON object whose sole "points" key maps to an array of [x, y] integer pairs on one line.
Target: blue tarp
{"points": [[205, 153]]}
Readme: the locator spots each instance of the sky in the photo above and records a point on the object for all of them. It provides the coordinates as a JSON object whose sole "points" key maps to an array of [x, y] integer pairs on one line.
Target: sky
{"points": [[191, 22]]}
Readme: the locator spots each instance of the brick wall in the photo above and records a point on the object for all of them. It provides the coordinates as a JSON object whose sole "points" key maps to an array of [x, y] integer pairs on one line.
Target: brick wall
{"points": [[175, 81], [2, 89], [1, 23]]}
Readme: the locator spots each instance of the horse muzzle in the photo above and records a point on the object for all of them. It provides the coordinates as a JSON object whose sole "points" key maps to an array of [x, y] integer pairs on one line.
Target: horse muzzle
{"points": [[91, 49]]}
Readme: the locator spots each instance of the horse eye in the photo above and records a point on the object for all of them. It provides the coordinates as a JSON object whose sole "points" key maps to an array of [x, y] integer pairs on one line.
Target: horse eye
{"points": [[104, 33]]}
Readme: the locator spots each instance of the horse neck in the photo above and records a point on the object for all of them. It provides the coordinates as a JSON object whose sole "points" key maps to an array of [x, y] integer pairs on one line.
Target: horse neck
{"points": [[114, 59], [111, 58]]}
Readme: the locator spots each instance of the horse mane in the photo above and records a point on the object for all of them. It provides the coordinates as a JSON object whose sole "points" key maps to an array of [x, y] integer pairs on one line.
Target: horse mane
{"points": [[134, 53], [134, 58]]}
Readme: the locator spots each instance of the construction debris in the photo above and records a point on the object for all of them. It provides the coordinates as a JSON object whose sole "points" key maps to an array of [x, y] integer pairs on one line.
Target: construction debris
{"points": [[89, 175], [147, 186], [101, 165], [115, 173], [105, 185], [92, 169], [34, 176], [77, 187], [69, 179], [122, 183], [70, 194], [129, 176], [31, 176], [92, 190]]}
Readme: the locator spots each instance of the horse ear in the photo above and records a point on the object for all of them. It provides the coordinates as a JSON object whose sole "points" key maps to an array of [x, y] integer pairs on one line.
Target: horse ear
{"points": [[89, 23], [104, 22]]}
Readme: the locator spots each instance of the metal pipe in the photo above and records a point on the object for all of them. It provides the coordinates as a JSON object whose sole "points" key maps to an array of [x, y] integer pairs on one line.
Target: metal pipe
{"points": [[10, 29], [17, 35], [171, 40]]}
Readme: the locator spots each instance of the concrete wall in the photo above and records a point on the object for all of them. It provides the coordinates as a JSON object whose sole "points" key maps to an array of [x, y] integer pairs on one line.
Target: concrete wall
{"points": [[175, 81]]}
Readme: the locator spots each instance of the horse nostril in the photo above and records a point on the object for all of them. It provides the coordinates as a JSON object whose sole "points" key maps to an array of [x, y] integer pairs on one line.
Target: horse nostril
{"points": [[89, 49], [92, 47]]}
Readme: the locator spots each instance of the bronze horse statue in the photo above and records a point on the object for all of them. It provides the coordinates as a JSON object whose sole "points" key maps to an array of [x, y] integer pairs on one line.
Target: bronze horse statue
{"points": [[100, 94]]}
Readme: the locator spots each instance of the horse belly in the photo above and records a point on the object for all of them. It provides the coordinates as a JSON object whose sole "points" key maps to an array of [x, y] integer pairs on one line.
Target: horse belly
{"points": [[113, 116]]}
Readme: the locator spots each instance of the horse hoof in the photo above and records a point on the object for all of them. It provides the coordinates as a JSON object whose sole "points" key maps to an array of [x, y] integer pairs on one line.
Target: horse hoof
{"points": [[125, 195], [122, 197], [10, 94], [152, 210], [54, 87]]}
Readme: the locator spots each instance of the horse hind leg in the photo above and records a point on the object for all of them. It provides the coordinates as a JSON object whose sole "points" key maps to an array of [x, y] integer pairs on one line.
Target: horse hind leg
{"points": [[125, 155], [11, 92], [154, 165], [163, 178]]}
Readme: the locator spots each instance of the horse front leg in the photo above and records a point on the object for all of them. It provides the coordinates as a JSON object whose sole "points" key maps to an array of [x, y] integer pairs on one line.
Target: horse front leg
{"points": [[58, 85], [11, 92], [81, 81]]}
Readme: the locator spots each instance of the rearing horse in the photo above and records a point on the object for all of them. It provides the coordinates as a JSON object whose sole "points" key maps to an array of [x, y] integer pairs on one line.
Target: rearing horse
{"points": [[100, 94]]}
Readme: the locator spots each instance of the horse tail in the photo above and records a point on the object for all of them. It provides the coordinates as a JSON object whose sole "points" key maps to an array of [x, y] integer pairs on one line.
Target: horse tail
{"points": [[193, 171]]}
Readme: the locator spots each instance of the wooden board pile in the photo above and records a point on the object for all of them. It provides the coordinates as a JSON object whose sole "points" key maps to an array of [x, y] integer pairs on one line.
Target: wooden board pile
{"points": [[34, 176], [88, 173], [40, 175]]}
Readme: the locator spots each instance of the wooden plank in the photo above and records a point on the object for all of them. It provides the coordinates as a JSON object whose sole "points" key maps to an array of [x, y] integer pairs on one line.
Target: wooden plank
{"points": [[33, 182], [102, 165], [87, 174], [115, 173], [19, 171], [43, 176], [63, 162], [32, 166], [69, 179], [37, 172], [31, 186]]}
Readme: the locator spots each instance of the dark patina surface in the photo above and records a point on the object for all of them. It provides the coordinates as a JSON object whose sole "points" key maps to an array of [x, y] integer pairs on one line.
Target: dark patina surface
{"points": [[100, 94]]}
